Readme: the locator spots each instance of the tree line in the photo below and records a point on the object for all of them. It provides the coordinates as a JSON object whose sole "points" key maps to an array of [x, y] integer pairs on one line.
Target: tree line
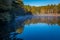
{"points": [[49, 9]]}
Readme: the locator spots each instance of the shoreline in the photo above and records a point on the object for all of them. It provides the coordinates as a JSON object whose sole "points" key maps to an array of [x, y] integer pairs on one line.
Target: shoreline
{"points": [[48, 15]]}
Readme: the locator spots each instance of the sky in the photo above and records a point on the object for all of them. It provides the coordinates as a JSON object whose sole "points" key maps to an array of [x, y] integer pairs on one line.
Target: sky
{"points": [[40, 2]]}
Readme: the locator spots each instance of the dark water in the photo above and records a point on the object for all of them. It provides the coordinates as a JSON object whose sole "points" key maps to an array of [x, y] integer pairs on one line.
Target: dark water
{"points": [[41, 28]]}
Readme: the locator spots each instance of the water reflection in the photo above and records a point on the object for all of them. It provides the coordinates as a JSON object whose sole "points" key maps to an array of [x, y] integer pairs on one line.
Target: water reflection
{"points": [[26, 20], [37, 28], [41, 28], [19, 26], [44, 19], [20, 22]]}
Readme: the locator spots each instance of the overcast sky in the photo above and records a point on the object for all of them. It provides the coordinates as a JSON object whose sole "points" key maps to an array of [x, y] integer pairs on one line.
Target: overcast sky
{"points": [[40, 2]]}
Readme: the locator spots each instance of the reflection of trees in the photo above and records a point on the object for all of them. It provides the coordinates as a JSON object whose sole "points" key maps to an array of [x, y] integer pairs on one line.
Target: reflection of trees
{"points": [[20, 29], [48, 20], [58, 21]]}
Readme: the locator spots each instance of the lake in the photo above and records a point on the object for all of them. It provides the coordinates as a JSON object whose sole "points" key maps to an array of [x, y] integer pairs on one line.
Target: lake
{"points": [[41, 28]]}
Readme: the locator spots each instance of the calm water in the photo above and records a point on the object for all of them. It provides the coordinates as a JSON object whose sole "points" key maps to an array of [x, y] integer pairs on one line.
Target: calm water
{"points": [[41, 28]]}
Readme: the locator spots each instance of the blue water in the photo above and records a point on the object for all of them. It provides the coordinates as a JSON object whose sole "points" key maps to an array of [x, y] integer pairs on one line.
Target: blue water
{"points": [[41, 31]]}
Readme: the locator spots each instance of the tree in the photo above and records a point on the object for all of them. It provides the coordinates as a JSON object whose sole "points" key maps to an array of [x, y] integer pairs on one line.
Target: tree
{"points": [[58, 7]]}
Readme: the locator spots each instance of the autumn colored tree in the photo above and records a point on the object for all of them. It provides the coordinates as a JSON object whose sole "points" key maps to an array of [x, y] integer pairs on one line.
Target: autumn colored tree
{"points": [[49, 9], [58, 7]]}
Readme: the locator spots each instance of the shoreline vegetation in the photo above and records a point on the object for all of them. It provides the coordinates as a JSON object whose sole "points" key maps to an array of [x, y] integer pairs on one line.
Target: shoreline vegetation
{"points": [[52, 9]]}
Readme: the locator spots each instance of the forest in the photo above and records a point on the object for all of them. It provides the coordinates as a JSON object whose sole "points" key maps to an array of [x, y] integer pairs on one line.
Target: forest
{"points": [[48, 9]]}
